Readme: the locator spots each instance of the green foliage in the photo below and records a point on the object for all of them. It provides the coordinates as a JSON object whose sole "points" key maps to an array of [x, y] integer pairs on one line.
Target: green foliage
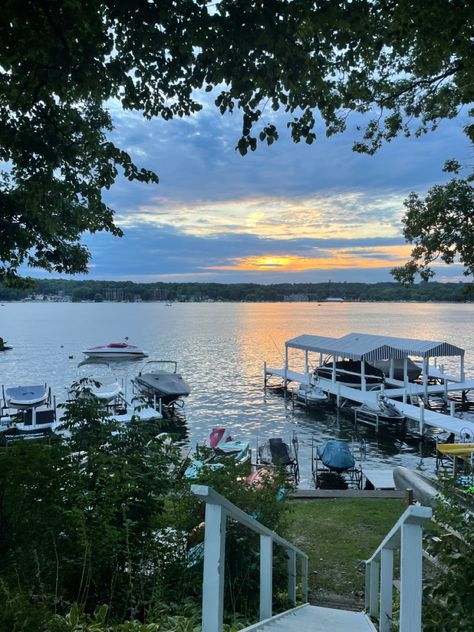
{"points": [[442, 228], [105, 517], [449, 591], [189, 620], [60, 63], [86, 291]]}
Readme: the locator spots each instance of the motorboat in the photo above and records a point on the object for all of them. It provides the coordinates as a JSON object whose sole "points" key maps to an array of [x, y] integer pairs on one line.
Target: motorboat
{"points": [[334, 467], [413, 370], [27, 412], [114, 404], [350, 372], [156, 384], [101, 381], [115, 351], [24, 397], [309, 394]]}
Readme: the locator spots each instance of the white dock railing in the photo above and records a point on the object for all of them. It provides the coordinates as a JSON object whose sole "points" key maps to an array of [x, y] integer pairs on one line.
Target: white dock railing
{"points": [[406, 536], [218, 509]]}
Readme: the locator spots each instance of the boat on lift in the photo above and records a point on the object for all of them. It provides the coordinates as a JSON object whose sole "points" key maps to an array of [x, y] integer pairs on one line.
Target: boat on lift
{"points": [[280, 454], [333, 466], [27, 412], [349, 372], [25, 397], [221, 444], [115, 351], [100, 381], [383, 408], [164, 384], [413, 370], [309, 394]]}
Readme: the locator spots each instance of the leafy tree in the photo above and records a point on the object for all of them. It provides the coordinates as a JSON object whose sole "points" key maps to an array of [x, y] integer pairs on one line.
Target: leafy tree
{"points": [[442, 227], [61, 61]]}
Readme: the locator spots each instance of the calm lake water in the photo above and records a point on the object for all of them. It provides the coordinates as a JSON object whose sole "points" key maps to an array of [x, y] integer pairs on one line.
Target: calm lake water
{"points": [[220, 349]]}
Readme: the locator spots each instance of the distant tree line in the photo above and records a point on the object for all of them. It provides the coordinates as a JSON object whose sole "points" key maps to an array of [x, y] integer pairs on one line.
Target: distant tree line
{"points": [[128, 291]]}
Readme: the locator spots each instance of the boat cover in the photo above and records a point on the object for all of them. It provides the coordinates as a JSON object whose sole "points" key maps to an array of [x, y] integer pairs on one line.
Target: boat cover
{"points": [[336, 455], [164, 383], [26, 395], [350, 372], [413, 370]]}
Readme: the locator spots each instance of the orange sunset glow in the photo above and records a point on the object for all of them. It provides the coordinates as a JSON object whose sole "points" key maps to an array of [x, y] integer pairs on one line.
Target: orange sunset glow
{"points": [[380, 257]]}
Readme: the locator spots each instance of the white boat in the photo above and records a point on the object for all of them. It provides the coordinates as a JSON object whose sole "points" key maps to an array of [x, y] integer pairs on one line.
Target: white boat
{"points": [[309, 394], [27, 412], [159, 384], [115, 351], [100, 381], [23, 397]]}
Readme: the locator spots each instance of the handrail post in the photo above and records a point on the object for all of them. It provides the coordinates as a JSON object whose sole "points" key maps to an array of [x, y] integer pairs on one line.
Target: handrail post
{"points": [[304, 578], [386, 589], [266, 577], [374, 583], [367, 586], [291, 576], [411, 571], [214, 568]]}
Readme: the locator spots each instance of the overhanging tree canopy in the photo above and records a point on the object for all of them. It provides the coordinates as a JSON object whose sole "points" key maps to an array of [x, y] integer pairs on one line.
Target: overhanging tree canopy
{"points": [[62, 60]]}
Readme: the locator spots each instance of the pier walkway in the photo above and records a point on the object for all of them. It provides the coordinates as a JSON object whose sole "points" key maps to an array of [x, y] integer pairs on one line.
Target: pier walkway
{"points": [[421, 415]]}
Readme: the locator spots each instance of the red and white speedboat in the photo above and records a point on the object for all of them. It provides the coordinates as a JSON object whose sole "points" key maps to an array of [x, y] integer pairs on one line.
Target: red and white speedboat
{"points": [[115, 351]]}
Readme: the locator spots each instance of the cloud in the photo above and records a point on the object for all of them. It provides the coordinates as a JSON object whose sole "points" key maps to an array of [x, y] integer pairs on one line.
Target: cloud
{"points": [[289, 211], [326, 259]]}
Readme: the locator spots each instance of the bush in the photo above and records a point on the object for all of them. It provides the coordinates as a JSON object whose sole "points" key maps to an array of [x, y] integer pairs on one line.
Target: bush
{"points": [[105, 517], [449, 590]]}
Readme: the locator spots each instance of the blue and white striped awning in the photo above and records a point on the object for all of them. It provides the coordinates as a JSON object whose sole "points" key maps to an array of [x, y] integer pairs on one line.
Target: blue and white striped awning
{"points": [[357, 346]]}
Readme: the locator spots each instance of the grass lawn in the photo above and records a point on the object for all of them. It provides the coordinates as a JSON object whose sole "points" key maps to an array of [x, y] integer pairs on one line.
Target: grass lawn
{"points": [[337, 534]]}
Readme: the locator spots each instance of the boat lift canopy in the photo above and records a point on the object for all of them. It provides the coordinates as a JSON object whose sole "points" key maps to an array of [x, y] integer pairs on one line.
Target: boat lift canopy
{"points": [[357, 346], [372, 347]]}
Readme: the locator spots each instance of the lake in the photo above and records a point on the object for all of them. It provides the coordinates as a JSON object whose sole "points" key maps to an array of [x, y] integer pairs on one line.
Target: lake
{"points": [[220, 349]]}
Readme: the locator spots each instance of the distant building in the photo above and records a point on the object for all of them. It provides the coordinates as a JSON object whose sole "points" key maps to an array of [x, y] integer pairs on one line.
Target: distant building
{"points": [[113, 294], [334, 299], [160, 294], [296, 298], [137, 298]]}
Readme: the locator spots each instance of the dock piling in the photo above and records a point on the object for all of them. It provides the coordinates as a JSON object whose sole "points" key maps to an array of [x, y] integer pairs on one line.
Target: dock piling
{"points": [[422, 417]]}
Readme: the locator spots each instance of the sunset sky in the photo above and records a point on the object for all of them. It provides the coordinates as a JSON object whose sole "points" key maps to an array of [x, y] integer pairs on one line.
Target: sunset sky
{"points": [[285, 213]]}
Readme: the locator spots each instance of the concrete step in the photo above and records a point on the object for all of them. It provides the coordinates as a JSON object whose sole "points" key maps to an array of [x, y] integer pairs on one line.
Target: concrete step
{"points": [[315, 619]]}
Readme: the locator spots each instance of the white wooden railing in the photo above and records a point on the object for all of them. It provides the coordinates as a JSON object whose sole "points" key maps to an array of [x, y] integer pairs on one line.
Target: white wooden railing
{"points": [[406, 536], [218, 509]]}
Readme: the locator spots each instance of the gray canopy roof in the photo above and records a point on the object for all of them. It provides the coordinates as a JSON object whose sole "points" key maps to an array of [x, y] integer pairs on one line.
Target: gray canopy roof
{"points": [[357, 346]]}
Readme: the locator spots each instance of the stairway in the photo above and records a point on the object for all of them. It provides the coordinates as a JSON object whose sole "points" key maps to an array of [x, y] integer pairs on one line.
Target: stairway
{"points": [[315, 619]]}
